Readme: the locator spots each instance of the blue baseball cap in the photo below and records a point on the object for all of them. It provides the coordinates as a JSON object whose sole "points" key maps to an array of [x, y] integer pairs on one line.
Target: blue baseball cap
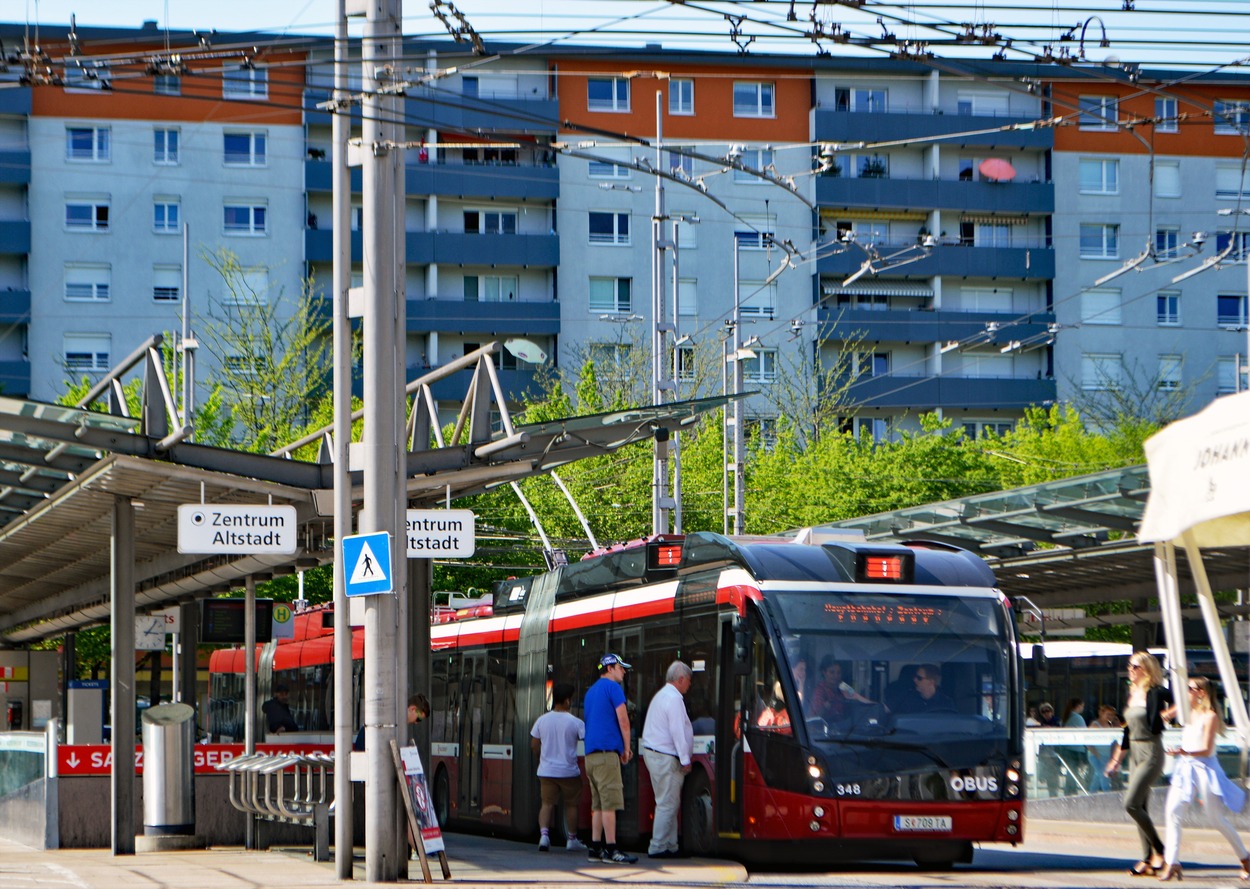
{"points": [[611, 660]]}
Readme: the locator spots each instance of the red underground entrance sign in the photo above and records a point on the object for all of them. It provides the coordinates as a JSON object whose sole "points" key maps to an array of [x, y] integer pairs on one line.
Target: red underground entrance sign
{"points": [[97, 759]]}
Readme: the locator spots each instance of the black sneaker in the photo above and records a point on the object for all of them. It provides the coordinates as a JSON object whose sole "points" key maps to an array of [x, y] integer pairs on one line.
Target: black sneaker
{"points": [[594, 854], [618, 857]]}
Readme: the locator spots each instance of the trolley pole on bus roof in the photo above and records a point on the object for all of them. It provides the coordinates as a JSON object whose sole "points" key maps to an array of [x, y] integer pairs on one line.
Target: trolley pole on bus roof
{"points": [[383, 442]]}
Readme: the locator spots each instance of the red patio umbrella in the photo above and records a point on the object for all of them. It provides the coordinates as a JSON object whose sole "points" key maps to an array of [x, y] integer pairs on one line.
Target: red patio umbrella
{"points": [[997, 168]]}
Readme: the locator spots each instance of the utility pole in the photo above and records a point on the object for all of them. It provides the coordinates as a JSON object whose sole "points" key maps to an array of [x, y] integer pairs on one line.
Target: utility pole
{"points": [[383, 442], [737, 452], [661, 383]]}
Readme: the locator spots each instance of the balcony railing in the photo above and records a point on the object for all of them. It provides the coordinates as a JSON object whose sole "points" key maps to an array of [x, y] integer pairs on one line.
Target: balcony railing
{"points": [[1031, 262], [927, 392], [853, 126], [927, 326], [936, 194], [507, 318], [422, 248]]}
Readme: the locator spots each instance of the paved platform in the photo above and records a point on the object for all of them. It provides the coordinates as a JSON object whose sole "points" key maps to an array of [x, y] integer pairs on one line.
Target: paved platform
{"points": [[1055, 854]]}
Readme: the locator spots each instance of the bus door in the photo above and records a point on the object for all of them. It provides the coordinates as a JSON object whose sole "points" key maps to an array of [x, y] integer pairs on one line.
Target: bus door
{"points": [[729, 757], [475, 685], [627, 642]]}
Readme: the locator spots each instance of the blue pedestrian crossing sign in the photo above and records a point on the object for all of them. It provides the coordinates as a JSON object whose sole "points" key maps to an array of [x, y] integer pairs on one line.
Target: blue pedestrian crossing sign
{"points": [[367, 564]]}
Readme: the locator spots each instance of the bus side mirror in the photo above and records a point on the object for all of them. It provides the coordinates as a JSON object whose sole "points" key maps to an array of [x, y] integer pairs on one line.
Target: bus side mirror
{"points": [[742, 648], [1039, 669]]}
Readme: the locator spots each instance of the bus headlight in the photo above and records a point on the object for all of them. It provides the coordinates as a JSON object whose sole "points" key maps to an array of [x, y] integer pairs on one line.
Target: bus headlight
{"points": [[1013, 815], [819, 811], [815, 771], [1013, 776], [1012, 830], [1013, 789], [815, 826], [818, 786]]}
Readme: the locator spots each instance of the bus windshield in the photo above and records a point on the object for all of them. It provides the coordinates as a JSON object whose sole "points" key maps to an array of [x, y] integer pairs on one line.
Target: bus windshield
{"points": [[918, 680]]}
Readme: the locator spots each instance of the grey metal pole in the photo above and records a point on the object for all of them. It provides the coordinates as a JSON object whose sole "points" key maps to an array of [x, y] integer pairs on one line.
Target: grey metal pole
{"points": [[188, 355], [382, 438], [122, 689], [738, 455], [249, 690], [676, 371], [659, 327]]}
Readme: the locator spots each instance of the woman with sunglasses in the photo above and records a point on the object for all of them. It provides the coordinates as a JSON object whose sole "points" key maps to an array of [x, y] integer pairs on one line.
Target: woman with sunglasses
{"points": [[1198, 774], [1149, 705]]}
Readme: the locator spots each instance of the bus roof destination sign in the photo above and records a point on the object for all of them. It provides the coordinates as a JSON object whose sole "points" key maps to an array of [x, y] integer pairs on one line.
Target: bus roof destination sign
{"points": [[236, 529], [441, 534]]}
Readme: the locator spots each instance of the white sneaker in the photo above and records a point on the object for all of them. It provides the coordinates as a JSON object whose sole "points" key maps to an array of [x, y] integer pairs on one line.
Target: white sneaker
{"points": [[575, 845], [544, 844]]}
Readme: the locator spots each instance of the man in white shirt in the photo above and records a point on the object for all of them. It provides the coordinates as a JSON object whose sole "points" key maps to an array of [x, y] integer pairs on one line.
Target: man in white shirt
{"points": [[553, 739], [667, 746]]}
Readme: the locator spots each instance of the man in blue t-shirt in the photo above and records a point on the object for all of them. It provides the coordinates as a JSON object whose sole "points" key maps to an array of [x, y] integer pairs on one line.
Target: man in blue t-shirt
{"points": [[607, 749]]}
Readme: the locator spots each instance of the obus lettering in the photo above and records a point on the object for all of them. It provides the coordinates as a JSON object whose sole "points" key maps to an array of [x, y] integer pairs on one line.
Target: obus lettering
{"points": [[983, 783]]}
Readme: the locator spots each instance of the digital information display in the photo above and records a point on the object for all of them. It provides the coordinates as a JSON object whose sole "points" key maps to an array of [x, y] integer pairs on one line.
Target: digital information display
{"points": [[221, 621]]}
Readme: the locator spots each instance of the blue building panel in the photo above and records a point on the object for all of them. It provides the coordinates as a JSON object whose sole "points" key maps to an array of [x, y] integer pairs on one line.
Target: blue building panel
{"points": [[515, 383], [921, 326], [1022, 263], [14, 236], [491, 319], [15, 99], [927, 393], [517, 182], [14, 306], [14, 166], [451, 111], [965, 130], [941, 194], [15, 378]]}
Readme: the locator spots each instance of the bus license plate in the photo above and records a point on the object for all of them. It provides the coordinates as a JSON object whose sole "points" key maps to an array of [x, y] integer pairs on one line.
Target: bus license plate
{"points": [[931, 823]]}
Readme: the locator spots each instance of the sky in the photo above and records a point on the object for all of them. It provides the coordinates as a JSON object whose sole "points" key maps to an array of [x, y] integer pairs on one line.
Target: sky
{"points": [[1213, 32]]}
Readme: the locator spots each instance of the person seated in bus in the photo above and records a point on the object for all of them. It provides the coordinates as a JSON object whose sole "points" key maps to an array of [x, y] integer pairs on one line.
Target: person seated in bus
{"points": [[799, 672], [926, 693], [775, 717], [278, 715], [831, 696]]}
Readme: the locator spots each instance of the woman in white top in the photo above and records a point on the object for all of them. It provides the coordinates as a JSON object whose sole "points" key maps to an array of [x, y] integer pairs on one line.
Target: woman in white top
{"points": [[1198, 774]]}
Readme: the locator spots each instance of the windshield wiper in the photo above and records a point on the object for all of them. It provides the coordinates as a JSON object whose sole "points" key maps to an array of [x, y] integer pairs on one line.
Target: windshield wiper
{"points": [[890, 744]]}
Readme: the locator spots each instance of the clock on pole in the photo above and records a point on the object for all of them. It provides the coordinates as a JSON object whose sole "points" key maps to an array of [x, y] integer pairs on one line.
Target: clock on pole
{"points": [[149, 632]]}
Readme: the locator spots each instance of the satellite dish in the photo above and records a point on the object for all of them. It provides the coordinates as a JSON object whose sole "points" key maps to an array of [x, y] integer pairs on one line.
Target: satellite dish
{"points": [[525, 350]]}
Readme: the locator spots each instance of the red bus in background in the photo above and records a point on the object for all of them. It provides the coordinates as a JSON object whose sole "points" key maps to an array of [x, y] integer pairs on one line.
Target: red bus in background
{"points": [[780, 773]]}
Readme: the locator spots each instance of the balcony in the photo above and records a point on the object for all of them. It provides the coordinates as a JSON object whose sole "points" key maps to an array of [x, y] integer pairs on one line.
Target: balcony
{"points": [[850, 126], [500, 181], [1023, 263], [492, 319], [15, 99], [14, 166], [936, 194], [922, 326], [15, 378], [456, 248], [443, 109], [14, 236], [515, 383], [14, 306], [929, 392]]}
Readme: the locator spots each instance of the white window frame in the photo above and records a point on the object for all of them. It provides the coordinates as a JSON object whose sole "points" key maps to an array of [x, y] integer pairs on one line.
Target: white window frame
{"points": [[757, 300], [1227, 376], [620, 236], [1102, 306], [166, 283], [167, 84], [252, 229], [681, 95], [257, 154], [1171, 368], [488, 215], [491, 288], [1167, 114], [1099, 113], [1168, 308], [1231, 183], [91, 350], [1169, 184], [762, 368], [253, 288], [864, 100], [99, 213], [1170, 236], [618, 103], [1109, 238], [679, 164], [1106, 184], [87, 282], [100, 152], [162, 154], [619, 304], [757, 159], [687, 297], [687, 368], [245, 82], [1102, 371], [1227, 322], [1232, 117], [613, 360], [983, 104], [160, 208], [762, 104]]}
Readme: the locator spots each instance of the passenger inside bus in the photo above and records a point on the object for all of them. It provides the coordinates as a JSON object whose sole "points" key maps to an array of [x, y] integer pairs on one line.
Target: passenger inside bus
{"points": [[773, 715], [832, 697]]}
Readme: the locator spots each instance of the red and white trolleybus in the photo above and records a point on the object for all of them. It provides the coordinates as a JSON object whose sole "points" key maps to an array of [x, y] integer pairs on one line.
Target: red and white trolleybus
{"points": [[850, 700]]}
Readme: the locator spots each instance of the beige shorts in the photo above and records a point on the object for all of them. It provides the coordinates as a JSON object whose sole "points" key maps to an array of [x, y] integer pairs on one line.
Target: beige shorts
{"points": [[551, 789], [607, 791]]}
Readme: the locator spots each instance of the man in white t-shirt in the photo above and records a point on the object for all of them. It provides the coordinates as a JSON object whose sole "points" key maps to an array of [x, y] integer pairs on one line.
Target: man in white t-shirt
{"points": [[554, 740]]}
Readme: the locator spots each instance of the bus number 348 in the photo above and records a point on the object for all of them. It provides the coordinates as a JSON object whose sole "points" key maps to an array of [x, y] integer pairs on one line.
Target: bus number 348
{"points": [[847, 789]]}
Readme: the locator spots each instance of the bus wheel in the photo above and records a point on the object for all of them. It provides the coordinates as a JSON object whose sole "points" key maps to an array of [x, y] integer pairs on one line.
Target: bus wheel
{"points": [[442, 797], [697, 834]]}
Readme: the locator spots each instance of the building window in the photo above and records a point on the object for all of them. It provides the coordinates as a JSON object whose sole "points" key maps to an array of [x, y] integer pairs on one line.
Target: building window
{"points": [[686, 363], [762, 368], [166, 283], [87, 214], [760, 159], [755, 298], [872, 166], [687, 225], [1232, 117], [982, 104], [164, 146], [87, 144], [87, 282], [754, 239], [1101, 306], [491, 288], [1231, 182], [607, 93], [1230, 311], [753, 98], [81, 79], [241, 365], [244, 149], [490, 222], [1169, 372], [245, 218], [1167, 115], [87, 352], [1241, 248], [1099, 176], [687, 297], [166, 215], [245, 82], [679, 164], [248, 288], [1226, 376], [986, 428], [608, 170], [1100, 241], [681, 95], [1168, 308], [1101, 371], [167, 85], [611, 295], [876, 429], [609, 228], [1167, 242], [984, 234], [872, 364], [862, 100], [1167, 179], [762, 430], [612, 360], [1099, 112]]}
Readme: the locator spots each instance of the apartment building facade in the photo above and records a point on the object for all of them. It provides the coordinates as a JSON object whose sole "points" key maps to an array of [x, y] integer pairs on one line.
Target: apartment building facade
{"points": [[1154, 189]]}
